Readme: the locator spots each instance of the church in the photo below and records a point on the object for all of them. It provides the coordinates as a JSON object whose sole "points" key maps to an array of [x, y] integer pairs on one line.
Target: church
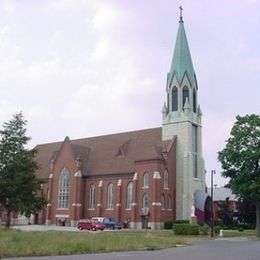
{"points": [[145, 177]]}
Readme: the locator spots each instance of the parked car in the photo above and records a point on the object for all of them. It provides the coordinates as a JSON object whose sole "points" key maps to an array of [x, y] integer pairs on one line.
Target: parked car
{"points": [[109, 222], [90, 224]]}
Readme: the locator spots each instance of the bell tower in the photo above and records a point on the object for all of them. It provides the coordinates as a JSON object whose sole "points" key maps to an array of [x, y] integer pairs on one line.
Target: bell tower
{"points": [[182, 118]]}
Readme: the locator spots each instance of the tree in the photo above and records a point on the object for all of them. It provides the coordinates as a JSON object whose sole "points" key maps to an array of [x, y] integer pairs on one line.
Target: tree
{"points": [[240, 161], [225, 213], [246, 212], [19, 185]]}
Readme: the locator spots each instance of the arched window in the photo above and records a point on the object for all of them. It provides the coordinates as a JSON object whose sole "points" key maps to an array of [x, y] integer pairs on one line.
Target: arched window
{"points": [[194, 101], [185, 94], [129, 195], [195, 150], [146, 180], [165, 179], [169, 202], [63, 194], [145, 201], [110, 196], [174, 99], [92, 196], [162, 202], [48, 194]]}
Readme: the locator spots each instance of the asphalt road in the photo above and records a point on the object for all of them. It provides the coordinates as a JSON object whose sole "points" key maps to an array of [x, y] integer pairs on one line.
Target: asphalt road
{"points": [[219, 249]]}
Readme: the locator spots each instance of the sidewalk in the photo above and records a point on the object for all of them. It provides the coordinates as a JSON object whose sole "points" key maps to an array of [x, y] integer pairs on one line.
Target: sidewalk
{"points": [[44, 228]]}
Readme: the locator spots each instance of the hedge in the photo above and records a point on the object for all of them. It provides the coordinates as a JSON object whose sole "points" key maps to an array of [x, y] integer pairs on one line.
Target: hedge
{"points": [[186, 229], [170, 223]]}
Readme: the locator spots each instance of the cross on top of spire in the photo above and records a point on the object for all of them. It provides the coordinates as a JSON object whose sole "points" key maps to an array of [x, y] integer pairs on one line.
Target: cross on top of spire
{"points": [[181, 9]]}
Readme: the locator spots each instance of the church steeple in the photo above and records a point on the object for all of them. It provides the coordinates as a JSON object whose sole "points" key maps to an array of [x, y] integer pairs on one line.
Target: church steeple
{"points": [[181, 79], [181, 61], [182, 119]]}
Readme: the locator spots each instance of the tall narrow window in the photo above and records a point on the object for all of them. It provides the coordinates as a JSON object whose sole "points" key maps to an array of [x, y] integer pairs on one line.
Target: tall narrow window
{"points": [[129, 195], [63, 194], [162, 202], [168, 102], [145, 205], [92, 197], [185, 94], [174, 99], [194, 101], [195, 150], [110, 196], [146, 180], [145, 201], [169, 202], [165, 179]]}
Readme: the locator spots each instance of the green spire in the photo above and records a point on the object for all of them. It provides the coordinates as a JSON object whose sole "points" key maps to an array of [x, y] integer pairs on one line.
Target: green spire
{"points": [[181, 61]]}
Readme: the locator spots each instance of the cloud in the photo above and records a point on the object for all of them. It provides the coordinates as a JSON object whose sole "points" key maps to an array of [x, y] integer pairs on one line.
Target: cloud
{"points": [[7, 109], [38, 71], [8, 49], [106, 16], [85, 67], [63, 5], [216, 129], [9, 6]]}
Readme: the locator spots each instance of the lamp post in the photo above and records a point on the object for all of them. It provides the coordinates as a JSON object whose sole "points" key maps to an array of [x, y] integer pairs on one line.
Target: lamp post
{"points": [[212, 206]]}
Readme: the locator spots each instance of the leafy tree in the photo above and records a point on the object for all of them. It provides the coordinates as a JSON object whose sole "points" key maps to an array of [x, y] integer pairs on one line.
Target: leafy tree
{"points": [[240, 161], [225, 213], [246, 212], [19, 185]]}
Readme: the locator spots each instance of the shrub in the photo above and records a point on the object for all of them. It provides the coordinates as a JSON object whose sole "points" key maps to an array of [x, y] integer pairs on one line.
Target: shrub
{"points": [[168, 224], [186, 229], [219, 223], [181, 221], [217, 229], [247, 225], [204, 230]]}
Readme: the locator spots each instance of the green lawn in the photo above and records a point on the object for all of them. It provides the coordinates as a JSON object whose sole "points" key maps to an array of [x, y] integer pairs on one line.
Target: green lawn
{"points": [[236, 233], [18, 243]]}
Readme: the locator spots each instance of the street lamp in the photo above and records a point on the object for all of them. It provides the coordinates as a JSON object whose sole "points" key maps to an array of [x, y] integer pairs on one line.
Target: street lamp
{"points": [[212, 206]]}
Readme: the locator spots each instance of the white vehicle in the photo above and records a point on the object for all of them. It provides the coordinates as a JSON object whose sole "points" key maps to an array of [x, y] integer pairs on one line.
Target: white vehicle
{"points": [[99, 219]]}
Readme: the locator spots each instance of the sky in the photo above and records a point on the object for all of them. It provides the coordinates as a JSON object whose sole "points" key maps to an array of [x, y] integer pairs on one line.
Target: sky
{"points": [[83, 68]]}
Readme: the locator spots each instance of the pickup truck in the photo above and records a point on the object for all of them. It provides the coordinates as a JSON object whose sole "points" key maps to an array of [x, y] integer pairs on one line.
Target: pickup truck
{"points": [[109, 222]]}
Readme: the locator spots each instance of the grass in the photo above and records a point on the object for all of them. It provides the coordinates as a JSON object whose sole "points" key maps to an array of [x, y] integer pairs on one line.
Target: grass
{"points": [[236, 233], [17, 243]]}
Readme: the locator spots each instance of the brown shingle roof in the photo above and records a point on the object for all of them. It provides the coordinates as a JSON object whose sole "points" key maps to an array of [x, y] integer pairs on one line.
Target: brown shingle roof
{"points": [[115, 153]]}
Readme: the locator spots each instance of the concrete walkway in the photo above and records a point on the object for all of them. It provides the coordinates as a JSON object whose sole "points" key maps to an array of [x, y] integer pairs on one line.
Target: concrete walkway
{"points": [[44, 228]]}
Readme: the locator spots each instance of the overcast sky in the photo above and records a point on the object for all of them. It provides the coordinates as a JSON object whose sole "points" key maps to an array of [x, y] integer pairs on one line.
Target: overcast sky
{"points": [[83, 68]]}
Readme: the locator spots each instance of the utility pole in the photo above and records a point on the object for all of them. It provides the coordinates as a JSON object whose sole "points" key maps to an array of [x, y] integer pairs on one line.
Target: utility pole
{"points": [[212, 205]]}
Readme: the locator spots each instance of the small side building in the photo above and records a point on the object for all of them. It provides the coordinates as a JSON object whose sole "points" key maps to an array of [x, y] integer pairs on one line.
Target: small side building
{"points": [[224, 195]]}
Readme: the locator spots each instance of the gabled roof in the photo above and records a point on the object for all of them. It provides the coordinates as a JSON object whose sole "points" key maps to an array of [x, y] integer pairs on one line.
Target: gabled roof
{"points": [[181, 64], [220, 194], [115, 153]]}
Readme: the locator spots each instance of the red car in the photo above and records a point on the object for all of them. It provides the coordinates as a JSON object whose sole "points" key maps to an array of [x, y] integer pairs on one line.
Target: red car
{"points": [[90, 224]]}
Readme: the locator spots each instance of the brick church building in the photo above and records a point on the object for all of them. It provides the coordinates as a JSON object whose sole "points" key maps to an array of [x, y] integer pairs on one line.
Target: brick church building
{"points": [[151, 174]]}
